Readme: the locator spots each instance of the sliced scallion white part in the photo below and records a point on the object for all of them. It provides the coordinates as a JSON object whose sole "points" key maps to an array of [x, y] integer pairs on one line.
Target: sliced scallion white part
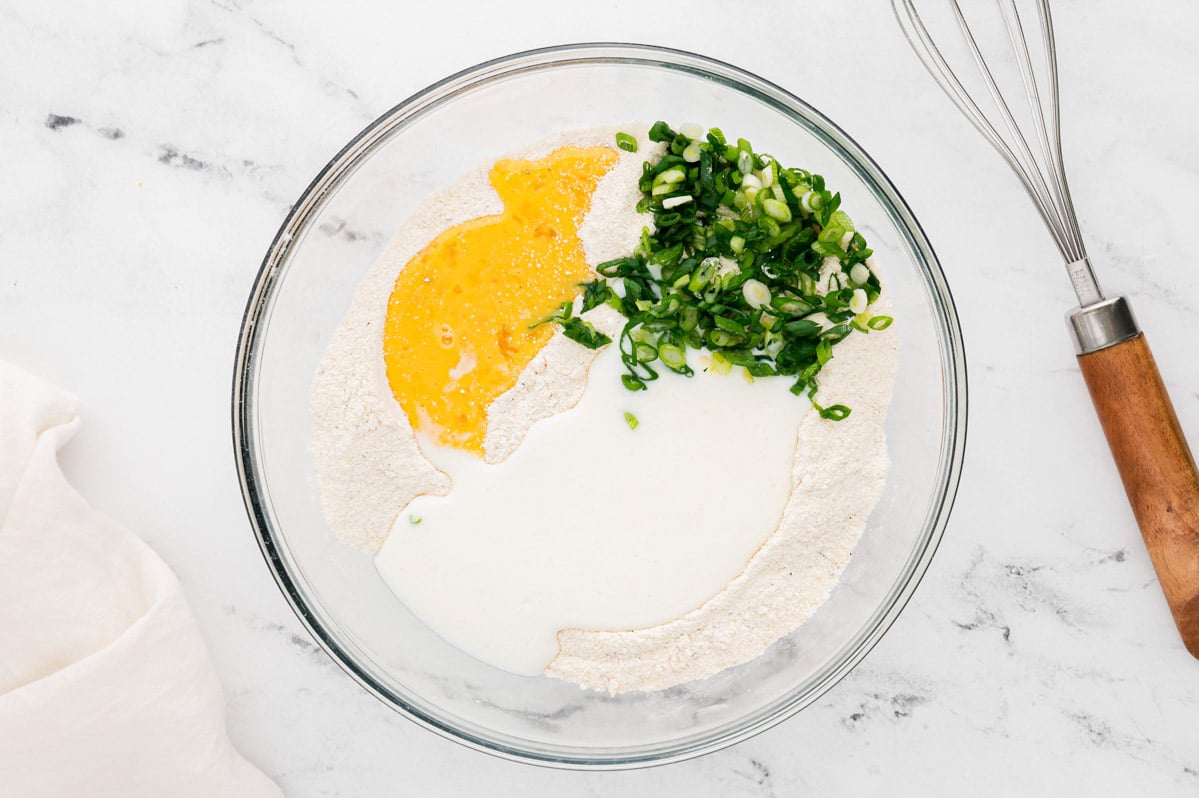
{"points": [[691, 152], [757, 295], [859, 273], [745, 162], [692, 130], [859, 301], [674, 202]]}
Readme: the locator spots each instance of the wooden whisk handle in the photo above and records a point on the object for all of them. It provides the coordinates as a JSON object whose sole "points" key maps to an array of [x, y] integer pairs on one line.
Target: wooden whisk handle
{"points": [[1156, 466]]}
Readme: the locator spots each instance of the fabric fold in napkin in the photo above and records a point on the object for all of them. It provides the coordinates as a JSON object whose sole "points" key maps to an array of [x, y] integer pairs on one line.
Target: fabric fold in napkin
{"points": [[106, 687]]}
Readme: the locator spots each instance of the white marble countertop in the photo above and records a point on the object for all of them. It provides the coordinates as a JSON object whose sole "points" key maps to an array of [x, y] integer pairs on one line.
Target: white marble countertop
{"points": [[152, 148]]}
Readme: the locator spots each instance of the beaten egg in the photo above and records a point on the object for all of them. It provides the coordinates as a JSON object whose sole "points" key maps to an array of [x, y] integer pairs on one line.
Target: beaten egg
{"points": [[459, 321]]}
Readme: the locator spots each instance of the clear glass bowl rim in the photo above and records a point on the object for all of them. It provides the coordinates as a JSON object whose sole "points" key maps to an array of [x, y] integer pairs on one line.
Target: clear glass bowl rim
{"points": [[343, 164]]}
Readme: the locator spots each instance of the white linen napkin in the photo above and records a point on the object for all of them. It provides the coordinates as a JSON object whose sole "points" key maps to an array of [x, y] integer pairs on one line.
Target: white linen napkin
{"points": [[106, 688]]}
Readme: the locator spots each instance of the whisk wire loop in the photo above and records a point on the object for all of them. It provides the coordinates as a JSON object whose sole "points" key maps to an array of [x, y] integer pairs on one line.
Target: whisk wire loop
{"points": [[1041, 172], [1046, 18]]}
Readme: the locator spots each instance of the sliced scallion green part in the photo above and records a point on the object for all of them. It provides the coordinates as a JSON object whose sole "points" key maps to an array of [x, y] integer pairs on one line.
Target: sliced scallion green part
{"points": [[584, 333], [626, 142], [631, 420], [673, 357], [835, 412], [777, 210]]}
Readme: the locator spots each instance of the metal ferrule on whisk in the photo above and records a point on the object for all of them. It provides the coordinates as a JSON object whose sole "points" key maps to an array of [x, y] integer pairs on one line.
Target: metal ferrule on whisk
{"points": [[1102, 324], [1096, 323]]}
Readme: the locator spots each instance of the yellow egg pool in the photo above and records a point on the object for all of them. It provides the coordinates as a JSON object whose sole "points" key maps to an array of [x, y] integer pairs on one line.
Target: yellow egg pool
{"points": [[457, 332]]}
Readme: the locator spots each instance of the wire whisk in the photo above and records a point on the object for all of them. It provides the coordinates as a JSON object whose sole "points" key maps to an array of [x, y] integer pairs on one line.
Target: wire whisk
{"points": [[1031, 144], [1147, 442]]}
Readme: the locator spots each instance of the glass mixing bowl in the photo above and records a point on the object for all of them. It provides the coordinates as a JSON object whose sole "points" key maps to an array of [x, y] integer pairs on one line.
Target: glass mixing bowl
{"points": [[340, 225]]}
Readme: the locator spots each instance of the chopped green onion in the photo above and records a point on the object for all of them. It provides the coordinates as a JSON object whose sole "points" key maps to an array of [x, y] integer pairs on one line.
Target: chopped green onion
{"points": [[732, 263], [756, 293], [745, 161], [595, 293], [645, 353], [414, 519], [626, 142], [859, 302], [720, 365], [702, 276], [672, 356], [824, 351], [839, 220], [661, 132], [584, 333], [777, 210], [672, 176], [631, 420]]}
